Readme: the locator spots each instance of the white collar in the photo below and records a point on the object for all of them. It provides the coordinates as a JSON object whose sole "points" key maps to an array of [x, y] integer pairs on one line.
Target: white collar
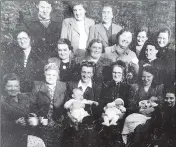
{"points": [[27, 52], [80, 84]]}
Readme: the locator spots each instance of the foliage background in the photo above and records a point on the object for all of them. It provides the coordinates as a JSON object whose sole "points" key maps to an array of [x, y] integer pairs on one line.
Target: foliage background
{"points": [[154, 14]]}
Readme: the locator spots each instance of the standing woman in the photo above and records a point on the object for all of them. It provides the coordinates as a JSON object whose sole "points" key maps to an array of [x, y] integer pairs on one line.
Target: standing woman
{"points": [[141, 38], [76, 29], [49, 100], [167, 53], [14, 110]]}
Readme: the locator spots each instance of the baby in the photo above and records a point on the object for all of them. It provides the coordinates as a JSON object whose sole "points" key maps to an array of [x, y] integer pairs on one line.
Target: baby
{"points": [[76, 105], [113, 111], [144, 104]]}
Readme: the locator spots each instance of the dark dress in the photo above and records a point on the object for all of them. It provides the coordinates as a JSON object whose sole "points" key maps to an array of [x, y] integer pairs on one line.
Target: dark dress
{"points": [[45, 38], [167, 54], [111, 136], [138, 94], [159, 130], [12, 134], [53, 110], [86, 135]]}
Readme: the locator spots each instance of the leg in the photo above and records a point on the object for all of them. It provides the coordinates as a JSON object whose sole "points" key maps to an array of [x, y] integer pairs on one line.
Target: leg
{"points": [[114, 120], [106, 121]]}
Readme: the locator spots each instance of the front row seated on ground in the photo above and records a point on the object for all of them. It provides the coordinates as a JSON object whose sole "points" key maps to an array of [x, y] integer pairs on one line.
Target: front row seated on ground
{"points": [[113, 112]]}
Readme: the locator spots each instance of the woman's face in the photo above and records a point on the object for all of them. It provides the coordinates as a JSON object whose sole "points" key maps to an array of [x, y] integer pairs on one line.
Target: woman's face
{"points": [[44, 9], [96, 50], [23, 40], [141, 38], [117, 74], [63, 51], [170, 99], [163, 39], [12, 88], [147, 78], [51, 76], [150, 52], [79, 12], [125, 39], [86, 74]]}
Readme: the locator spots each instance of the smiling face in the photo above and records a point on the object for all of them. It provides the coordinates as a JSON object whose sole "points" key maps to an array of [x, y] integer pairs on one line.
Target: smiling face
{"points": [[79, 12], [147, 78], [51, 76], [96, 50], [151, 52], [170, 99], [63, 51], [12, 88], [163, 39], [141, 38], [125, 39], [107, 14], [44, 10], [117, 74], [24, 40], [86, 74], [77, 94]]}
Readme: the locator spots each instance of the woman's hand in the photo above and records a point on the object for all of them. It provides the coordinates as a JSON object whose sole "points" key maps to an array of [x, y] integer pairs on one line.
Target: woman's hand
{"points": [[154, 99], [21, 121]]}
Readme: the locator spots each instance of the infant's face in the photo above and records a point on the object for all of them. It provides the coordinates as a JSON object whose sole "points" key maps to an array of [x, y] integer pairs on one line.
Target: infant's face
{"points": [[118, 103], [78, 95]]}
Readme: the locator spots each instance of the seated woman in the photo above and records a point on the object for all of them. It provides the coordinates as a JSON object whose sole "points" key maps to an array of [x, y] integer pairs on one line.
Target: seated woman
{"points": [[15, 107], [49, 98], [94, 53], [86, 134], [166, 52], [141, 38], [160, 130], [145, 89], [64, 59], [151, 58]]}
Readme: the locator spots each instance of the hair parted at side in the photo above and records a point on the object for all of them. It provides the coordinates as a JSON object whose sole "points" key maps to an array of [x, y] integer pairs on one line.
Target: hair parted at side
{"points": [[165, 30], [65, 41]]}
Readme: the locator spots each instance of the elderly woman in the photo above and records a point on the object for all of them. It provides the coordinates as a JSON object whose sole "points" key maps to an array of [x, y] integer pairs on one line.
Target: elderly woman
{"points": [[64, 60], [76, 29], [48, 103], [167, 53], [141, 38], [15, 107], [160, 130], [121, 51], [94, 54], [25, 61], [86, 135], [116, 88]]}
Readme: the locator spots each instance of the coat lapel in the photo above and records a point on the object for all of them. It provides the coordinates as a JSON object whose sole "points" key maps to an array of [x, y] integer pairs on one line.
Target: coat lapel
{"points": [[102, 32], [74, 25]]}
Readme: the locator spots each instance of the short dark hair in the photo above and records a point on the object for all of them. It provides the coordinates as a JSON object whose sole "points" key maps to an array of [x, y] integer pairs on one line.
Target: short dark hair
{"points": [[153, 43], [65, 41], [88, 64], [126, 29], [10, 77], [95, 41]]}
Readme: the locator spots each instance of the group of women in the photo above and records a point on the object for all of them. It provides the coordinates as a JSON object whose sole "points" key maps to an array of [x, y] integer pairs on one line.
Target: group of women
{"points": [[133, 70]]}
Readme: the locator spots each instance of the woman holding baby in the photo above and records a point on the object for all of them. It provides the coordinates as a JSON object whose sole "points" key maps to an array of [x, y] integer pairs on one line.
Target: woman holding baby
{"points": [[146, 95]]}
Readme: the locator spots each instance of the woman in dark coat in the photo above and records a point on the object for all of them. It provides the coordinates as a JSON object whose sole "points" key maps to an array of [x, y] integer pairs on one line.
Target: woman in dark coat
{"points": [[160, 130], [117, 88], [49, 97], [14, 111]]}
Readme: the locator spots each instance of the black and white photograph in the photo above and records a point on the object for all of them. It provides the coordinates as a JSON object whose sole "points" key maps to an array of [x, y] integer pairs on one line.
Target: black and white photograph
{"points": [[88, 73]]}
